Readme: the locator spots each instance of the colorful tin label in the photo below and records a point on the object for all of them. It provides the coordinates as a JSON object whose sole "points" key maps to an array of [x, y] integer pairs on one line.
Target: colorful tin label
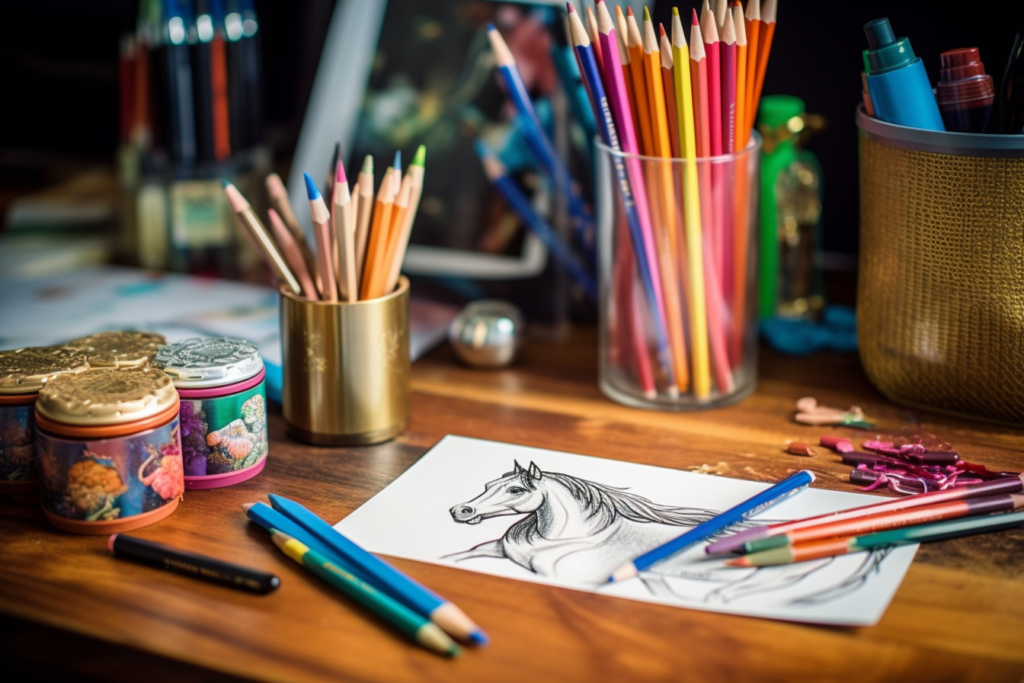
{"points": [[225, 434], [18, 461], [111, 479]]}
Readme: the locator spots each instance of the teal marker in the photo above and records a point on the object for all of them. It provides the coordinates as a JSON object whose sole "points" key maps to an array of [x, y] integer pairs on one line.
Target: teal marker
{"points": [[897, 82]]}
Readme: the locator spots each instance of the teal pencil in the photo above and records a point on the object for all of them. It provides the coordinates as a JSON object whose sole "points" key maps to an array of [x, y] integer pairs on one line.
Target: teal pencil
{"points": [[419, 629], [938, 531]]}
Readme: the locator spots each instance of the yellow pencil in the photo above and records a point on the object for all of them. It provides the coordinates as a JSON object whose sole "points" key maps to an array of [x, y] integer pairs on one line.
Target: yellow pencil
{"points": [[691, 208]]}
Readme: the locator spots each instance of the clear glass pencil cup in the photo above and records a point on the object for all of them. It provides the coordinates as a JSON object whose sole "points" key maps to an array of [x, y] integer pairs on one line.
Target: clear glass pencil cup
{"points": [[678, 255]]}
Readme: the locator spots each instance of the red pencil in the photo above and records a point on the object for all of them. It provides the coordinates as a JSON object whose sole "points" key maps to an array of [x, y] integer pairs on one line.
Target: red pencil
{"points": [[709, 30], [728, 67]]}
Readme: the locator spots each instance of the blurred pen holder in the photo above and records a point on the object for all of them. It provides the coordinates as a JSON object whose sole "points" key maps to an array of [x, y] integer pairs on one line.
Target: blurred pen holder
{"points": [[940, 295], [346, 368], [679, 369]]}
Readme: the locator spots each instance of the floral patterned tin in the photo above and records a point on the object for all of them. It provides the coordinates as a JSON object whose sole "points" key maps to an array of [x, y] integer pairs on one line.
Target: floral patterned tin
{"points": [[109, 449], [23, 373], [119, 349], [223, 409]]}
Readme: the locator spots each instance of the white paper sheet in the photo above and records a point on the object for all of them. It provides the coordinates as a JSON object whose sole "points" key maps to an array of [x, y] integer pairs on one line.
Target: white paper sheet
{"points": [[559, 539]]}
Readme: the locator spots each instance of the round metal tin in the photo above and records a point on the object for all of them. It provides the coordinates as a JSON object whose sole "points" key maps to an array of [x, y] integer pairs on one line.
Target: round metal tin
{"points": [[107, 396], [25, 371], [119, 349], [203, 362]]}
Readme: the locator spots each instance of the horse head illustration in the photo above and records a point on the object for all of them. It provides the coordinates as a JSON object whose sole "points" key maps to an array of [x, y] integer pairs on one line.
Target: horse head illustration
{"points": [[514, 493]]}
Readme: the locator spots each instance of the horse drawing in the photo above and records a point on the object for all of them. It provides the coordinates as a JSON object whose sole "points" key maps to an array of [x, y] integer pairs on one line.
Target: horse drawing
{"points": [[581, 531]]}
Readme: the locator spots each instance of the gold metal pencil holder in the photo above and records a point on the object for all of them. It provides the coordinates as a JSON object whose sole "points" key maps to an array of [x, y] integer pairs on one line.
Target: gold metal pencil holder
{"points": [[346, 368], [940, 294]]}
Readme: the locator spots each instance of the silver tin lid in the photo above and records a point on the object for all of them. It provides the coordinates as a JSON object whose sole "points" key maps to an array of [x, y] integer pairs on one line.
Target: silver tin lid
{"points": [[202, 362]]}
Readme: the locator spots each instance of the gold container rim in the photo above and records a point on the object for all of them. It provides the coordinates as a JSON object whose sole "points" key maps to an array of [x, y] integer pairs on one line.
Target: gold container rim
{"points": [[402, 288]]}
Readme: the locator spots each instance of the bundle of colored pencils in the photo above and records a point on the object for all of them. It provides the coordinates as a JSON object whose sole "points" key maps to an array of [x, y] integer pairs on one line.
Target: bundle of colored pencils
{"points": [[360, 241], [686, 245]]}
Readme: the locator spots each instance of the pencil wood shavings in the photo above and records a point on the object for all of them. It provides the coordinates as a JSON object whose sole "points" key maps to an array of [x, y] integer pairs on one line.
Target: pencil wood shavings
{"points": [[800, 448], [837, 443]]}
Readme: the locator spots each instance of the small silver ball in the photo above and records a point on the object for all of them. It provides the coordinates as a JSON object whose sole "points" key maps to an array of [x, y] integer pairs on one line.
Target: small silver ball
{"points": [[487, 333]]}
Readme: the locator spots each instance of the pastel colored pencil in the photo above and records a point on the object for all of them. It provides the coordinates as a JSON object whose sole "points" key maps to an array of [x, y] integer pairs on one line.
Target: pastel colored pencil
{"points": [[291, 253], [416, 173], [498, 175], [773, 495], [735, 542], [752, 23], [324, 240], [665, 230], [692, 202], [382, 209], [363, 215], [251, 225], [629, 175], [278, 195], [332, 170], [385, 577], [670, 89], [764, 47], [408, 623], [925, 533], [954, 509], [344, 237]]}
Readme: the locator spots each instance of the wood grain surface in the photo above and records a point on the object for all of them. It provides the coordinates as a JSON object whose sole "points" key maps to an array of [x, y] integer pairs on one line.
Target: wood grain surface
{"points": [[70, 609]]}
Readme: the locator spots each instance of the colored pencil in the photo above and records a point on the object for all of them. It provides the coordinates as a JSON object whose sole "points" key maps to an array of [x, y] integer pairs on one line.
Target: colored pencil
{"points": [[324, 240], [752, 23], [735, 542], [709, 31], [741, 208], [954, 509], [664, 213], [629, 175], [332, 170], [278, 196], [192, 564], [635, 49], [741, 77], [765, 499], [670, 90], [416, 172], [727, 48], [720, 8], [378, 287], [764, 48], [385, 577], [365, 211], [925, 533], [378, 239], [407, 622], [344, 237], [270, 519], [250, 224], [290, 250], [594, 40], [627, 70], [498, 175], [219, 82]]}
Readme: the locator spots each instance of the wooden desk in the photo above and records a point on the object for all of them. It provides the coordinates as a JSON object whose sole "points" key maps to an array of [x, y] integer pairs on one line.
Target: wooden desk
{"points": [[959, 615]]}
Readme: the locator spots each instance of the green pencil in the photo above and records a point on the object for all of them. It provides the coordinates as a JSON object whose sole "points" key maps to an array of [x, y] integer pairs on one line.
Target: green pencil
{"points": [[904, 536], [419, 629]]}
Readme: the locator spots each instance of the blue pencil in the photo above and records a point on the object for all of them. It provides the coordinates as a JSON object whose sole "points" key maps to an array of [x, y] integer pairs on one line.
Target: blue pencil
{"points": [[382, 575], [498, 175], [269, 518], [784, 489], [535, 138], [606, 126]]}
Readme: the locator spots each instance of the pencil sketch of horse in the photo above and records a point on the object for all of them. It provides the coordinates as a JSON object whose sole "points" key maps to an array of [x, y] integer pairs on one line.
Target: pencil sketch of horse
{"points": [[581, 531]]}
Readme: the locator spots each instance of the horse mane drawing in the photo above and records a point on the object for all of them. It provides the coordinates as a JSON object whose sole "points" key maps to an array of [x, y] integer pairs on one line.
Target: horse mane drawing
{"points": [[579, 530]]}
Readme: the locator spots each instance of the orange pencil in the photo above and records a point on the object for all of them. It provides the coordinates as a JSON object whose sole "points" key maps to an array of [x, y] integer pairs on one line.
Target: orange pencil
{"points": [[670, 90], [394, 232], [666, 231], [741, 210], [634, 45], [378, 228], [764, 48], [415, 174], [741, 76]]}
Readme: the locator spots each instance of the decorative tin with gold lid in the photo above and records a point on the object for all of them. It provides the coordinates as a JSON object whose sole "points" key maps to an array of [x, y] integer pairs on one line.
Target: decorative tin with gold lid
{"points": [[109, 449], [23, 372], [119, 349]]}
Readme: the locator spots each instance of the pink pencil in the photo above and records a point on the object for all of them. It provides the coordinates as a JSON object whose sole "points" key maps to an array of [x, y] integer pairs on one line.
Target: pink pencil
{"points": [[619, 100], [728, 64], [292, 255]]}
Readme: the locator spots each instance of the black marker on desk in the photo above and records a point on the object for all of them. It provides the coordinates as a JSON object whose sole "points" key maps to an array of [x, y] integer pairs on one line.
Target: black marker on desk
{"points": [[192, 564]]}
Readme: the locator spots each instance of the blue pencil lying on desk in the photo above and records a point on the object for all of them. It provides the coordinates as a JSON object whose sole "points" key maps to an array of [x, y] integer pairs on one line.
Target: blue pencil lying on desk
{"points": [[784, 489], [380, 574], [513, 195]]}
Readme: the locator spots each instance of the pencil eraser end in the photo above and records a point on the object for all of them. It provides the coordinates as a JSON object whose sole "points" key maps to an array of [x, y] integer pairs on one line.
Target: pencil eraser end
{"points": [[311, 189], [110, 542]]}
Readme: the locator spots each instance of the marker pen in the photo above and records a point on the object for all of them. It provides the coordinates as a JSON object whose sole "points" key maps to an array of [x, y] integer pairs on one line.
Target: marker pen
{"points": [[899, 87], [965, 92]]}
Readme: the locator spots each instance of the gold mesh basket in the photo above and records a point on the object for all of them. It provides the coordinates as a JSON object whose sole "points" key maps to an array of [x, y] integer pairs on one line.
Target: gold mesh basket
{"points": [[940, 295]]}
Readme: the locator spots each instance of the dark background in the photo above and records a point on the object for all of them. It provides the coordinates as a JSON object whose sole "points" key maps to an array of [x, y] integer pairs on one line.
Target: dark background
{"points": [[59, 76]]}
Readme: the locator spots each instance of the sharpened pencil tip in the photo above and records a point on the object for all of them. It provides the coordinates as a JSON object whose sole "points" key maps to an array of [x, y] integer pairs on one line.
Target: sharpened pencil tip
{"points": [[647, 14], [367, 165], [420, 158], [695, 22], [246, 506], [311, 189], [398, 160], [224, 182], [490, 27], [675, 11], [569, 8], [339, 173], [478, 637], [629, 11], [110, 545]]}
